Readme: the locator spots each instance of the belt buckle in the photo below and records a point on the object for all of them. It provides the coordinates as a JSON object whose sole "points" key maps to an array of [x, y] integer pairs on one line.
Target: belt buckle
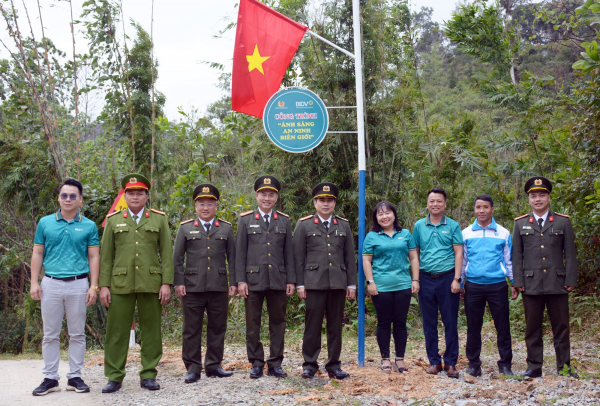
{"points": [[435, 275]]}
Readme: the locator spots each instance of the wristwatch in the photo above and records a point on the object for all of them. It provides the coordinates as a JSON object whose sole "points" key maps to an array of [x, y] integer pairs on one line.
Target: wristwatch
{"points": [[459, 280], [96, 288], [370, 282]]}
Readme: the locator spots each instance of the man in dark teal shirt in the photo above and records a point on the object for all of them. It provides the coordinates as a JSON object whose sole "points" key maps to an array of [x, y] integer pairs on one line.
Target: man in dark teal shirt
{"points": [[440, 245]]}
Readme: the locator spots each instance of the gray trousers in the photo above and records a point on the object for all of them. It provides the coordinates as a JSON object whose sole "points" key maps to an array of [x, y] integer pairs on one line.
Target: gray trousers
{"points": [[58, 298]]}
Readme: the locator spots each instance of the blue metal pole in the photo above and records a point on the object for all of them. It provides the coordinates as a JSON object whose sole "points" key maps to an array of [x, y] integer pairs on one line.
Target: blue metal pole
{"points": [[360, 126], [361, 274]]}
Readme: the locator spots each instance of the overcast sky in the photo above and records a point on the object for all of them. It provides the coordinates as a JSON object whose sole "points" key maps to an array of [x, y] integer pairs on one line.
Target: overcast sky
{"points": [[183, 37]]}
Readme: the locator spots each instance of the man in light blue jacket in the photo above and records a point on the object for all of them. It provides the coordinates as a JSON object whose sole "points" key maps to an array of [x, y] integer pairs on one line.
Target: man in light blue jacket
{"points": [[487, 266]]}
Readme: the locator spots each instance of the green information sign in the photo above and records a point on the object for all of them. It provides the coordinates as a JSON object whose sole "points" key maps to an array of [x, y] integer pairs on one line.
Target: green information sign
{"points": [[296, 120]]}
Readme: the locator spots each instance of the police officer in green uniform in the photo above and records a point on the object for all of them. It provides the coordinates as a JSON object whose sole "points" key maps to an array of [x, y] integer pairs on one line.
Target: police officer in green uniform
{"points": [[207, 246], [265, 270], [326, 276], [545, 271], [131, 270]]}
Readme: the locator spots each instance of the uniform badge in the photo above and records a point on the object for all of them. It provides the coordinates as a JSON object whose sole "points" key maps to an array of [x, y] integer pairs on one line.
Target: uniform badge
{"points": [[254, 225], [538, 182], [217, 223], [147, 214], [124, 214], [205, 189], [326, 189], [132, 180], [316, 220], [267, 181], [256, 216], [527, 228], [551, 218], [196, 223], [121, 225], [531, 219], [335, 221], [275, 216]]}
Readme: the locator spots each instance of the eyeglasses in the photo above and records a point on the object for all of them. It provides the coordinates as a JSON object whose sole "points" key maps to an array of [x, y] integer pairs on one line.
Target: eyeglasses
{"points": [[72, 196], [207, 205]]}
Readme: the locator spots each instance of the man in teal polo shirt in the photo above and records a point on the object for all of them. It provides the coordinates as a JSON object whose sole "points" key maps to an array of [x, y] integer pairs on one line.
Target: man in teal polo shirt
{"points": [[440, 245], [66, 244]]}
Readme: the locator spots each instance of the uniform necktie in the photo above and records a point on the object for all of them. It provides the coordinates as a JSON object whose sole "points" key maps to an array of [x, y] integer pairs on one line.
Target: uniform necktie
{"points": [[207, 225], [135, 218], [326, 224], [540, 222], [267, 220]]}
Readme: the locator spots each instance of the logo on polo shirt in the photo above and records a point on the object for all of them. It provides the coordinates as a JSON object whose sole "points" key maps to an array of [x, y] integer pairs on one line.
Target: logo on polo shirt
{"points": [[446, 232], [79, 229]]}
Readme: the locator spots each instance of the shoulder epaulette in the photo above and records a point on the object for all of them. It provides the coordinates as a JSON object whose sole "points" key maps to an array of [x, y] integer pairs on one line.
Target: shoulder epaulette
{"points": [[159, 212], [246, 213], [113, 213], [562, 215], [283, 214], [305, 218], [341, 218], [520, 217], [187, 221], [224, 221]]}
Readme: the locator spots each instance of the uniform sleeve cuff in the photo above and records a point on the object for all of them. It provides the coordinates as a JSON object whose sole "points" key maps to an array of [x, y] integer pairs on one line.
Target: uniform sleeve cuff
{"points": [[352, 287]]}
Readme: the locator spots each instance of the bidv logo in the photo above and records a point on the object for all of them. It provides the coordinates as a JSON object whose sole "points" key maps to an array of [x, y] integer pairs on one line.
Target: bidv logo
{"points": [[281, 103], [304, 103]]}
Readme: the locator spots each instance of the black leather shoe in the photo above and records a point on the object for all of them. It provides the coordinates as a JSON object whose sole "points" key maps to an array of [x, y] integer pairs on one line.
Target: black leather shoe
{"points": [[476, 372], [149, 384], [277, 372], [532, 373], [505, 370], [308, 373], [111, 387], [219, 373], [338, 374], [571, 372], [192, 377], [256, 372]]}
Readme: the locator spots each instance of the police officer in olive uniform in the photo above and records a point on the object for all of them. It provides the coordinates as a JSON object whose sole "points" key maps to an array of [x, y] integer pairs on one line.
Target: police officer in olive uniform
{"points": [[265, 270], [326, 277], [131, 271], [545, 271], [207, 245]]}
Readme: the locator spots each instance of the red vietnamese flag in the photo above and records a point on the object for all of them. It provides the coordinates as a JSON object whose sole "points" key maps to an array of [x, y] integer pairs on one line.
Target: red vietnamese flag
{"points": [[265, 43]]}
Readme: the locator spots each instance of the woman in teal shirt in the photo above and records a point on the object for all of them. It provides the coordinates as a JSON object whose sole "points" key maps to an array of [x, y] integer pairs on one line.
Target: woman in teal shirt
{"points": [[388, 253]]}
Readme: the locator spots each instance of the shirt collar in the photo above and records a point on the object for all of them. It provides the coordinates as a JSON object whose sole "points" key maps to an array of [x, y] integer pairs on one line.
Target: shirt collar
{"points": [[324, 220], [544, 216], [76, 218], [262, 213], [204, 222], [493, 226], [136, 214], [429, 223]]}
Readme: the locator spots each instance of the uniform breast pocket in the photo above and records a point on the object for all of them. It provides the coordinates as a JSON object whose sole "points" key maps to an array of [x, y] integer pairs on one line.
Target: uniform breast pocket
{"points": [[221, 241], [193, 241], [340, 239], [556, 235], [121, 234], [527, 236], [313, 238], [254, 235], [151, 232]]}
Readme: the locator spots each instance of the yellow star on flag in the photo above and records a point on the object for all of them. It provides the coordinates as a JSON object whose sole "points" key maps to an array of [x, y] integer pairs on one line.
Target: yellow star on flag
{"points": [[255, 61]]}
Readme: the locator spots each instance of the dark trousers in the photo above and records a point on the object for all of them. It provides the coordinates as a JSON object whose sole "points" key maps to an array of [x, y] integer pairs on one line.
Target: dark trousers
{"points": [[434, 296], [276, 306], [194, 304], [558, 311], [118, 328], [319, 303], [392, 308], [496, 296]]}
